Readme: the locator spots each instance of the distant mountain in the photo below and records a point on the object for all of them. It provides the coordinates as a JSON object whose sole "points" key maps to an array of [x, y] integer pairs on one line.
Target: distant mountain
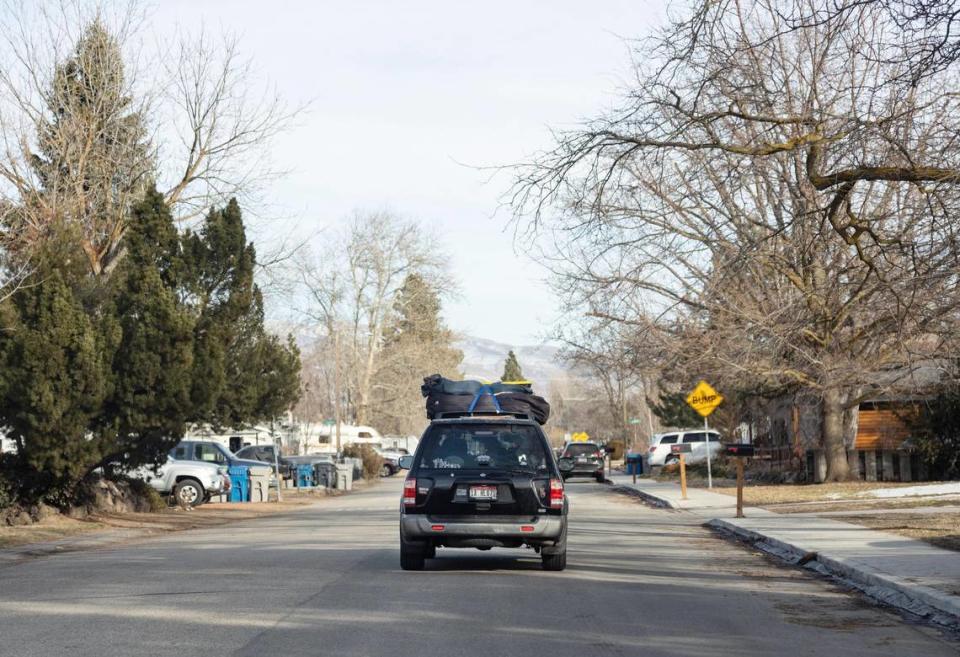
{"points": [[483, 358]]}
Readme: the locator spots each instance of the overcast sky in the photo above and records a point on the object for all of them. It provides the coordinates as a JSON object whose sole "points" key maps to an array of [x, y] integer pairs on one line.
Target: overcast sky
{"points": [[404, 93]]}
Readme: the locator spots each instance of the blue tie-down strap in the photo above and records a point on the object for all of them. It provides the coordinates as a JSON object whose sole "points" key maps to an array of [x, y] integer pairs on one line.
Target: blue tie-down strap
{"points": [[485, 390]]}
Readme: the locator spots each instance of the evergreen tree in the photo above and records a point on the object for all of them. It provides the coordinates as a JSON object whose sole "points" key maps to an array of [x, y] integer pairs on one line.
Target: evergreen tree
{"points": [[241, 374], [935, 425], [218, 266], [416, 344], [145, 414], [511, 369], [263, 374], [94, 160], [674, 411], [52, 384]]}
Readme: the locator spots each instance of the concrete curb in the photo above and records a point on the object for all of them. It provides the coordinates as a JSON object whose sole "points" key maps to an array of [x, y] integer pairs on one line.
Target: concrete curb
{"points": [[937, 606], [653, 500]]}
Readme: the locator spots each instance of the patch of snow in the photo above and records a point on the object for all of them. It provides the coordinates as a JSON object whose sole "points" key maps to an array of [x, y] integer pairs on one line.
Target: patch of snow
{"points": [[911, 491]]}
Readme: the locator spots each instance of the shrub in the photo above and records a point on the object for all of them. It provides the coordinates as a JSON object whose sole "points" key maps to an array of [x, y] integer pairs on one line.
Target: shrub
{"points": [[372, 462], [7, 495], [147, 498]]}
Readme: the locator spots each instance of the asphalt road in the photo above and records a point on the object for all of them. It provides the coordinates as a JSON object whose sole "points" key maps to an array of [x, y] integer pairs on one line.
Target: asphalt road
{"points": [[326, 581]]}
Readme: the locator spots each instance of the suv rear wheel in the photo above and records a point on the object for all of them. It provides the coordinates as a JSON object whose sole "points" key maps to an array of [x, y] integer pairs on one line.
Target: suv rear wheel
{"points": [[411, 559], [412, 554], [557, 561]]}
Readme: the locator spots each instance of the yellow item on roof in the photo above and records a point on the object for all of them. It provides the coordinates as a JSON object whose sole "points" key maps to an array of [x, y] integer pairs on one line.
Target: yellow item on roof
{"points": [[518, 383]]}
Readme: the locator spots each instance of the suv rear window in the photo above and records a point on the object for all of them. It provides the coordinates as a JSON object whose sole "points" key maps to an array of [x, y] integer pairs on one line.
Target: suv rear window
{"points": [[580, 450], [668, 440], [483, 446]]}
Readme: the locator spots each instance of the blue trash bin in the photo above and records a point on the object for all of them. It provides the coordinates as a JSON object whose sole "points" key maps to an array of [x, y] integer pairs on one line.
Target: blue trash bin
{"points": [[304, 476], [634, 464], [239, 483]]}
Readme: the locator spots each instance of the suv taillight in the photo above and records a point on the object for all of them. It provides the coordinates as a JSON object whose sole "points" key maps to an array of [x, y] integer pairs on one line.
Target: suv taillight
{"points": [[410, 492], [556, 494], [653, 448], [598, 454]]}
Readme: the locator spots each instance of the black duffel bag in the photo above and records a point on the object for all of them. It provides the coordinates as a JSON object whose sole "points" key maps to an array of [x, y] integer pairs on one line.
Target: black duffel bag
{"points": [[522, 402], [506, 402]]}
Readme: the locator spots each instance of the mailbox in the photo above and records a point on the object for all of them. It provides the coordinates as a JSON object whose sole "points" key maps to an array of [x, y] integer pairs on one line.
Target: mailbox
{"points": [[738, 449], [681, 449]]}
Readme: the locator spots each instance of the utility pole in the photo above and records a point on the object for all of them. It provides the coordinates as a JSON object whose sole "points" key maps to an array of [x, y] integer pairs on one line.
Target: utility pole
{"points": [[336, 383]]}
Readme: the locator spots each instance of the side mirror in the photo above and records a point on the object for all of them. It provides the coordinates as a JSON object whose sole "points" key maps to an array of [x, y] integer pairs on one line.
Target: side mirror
{"points": [[405, 462], [565, 464]]}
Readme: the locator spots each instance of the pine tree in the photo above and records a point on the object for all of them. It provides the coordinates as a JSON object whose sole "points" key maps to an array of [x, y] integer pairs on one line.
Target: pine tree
{"points": [[416, 344], [52, 384], [218, 285], [145, 414], [674, 411], [241, 374], [511, 369], [94, 160]]}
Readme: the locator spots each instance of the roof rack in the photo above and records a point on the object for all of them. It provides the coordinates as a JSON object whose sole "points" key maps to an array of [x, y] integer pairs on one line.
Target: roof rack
{"points": [[461, 414]]}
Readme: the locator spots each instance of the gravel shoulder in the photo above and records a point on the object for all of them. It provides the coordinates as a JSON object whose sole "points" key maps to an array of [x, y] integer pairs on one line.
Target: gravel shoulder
{"points": [[60, 529]]}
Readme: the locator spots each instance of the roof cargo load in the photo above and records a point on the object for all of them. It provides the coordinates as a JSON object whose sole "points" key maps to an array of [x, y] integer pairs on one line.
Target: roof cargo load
{"points": [[445, 396]]}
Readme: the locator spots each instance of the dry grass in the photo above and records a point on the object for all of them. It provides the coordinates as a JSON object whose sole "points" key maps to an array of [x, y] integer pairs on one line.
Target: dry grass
{"points": [[766, 495], [172, 519], [50, 529], [895, 504], [940, 529]]}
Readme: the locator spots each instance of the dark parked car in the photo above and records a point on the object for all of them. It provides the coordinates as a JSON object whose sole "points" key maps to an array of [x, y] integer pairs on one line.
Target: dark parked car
{"points": [[266, 454], [483, 482], [585, 460]]}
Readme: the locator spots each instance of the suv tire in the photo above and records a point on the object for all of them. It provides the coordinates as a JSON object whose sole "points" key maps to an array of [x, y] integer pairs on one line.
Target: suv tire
{"points": [[411, 559], [557, 561], [599, 478]]}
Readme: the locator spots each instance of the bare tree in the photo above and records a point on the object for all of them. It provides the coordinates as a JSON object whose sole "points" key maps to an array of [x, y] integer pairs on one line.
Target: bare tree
{"points": [[616, 362], [85, 126], [352, 285], [774, 196]]}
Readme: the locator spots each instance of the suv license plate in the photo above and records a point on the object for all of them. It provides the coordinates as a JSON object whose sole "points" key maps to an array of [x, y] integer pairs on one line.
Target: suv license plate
{"points": [[485, 493]]}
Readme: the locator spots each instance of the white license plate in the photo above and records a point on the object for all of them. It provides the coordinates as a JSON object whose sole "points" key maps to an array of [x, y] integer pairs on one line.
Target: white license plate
{"points": [[485, 493], [581, 459]]}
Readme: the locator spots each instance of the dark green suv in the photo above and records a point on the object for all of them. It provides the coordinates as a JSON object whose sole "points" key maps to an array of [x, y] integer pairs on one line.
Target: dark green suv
{"points": [[483, 482]]}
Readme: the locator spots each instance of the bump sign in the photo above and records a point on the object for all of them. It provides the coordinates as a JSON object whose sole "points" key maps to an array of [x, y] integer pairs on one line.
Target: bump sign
{"points": [[704, 399]]}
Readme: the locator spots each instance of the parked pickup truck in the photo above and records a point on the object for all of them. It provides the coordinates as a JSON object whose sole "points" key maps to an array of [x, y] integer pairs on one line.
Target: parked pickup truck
{"points": [[191, 483]]}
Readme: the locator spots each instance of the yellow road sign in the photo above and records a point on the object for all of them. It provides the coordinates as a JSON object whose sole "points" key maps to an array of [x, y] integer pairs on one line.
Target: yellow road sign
{"points": [[704, 399], [581, 437]]}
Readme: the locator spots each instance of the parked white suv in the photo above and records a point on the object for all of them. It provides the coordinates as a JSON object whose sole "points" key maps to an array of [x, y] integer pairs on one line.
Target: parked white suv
{"points": [[660, 446]]}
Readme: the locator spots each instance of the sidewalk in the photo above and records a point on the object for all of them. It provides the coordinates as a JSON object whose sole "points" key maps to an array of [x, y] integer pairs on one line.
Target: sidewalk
{"points": [[900, 571]]}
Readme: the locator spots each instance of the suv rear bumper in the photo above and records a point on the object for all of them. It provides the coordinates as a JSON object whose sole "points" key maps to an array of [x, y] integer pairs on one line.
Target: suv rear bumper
{"points": [[545, 528], [586, 469]]}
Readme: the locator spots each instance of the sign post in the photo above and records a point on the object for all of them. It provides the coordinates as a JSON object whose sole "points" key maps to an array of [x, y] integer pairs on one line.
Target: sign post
{"points": [[704, 400], [682, 449], [740, 451]]}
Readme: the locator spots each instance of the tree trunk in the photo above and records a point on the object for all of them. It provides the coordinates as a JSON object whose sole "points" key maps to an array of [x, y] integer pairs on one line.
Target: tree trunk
{"points": [[838, 468]]}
